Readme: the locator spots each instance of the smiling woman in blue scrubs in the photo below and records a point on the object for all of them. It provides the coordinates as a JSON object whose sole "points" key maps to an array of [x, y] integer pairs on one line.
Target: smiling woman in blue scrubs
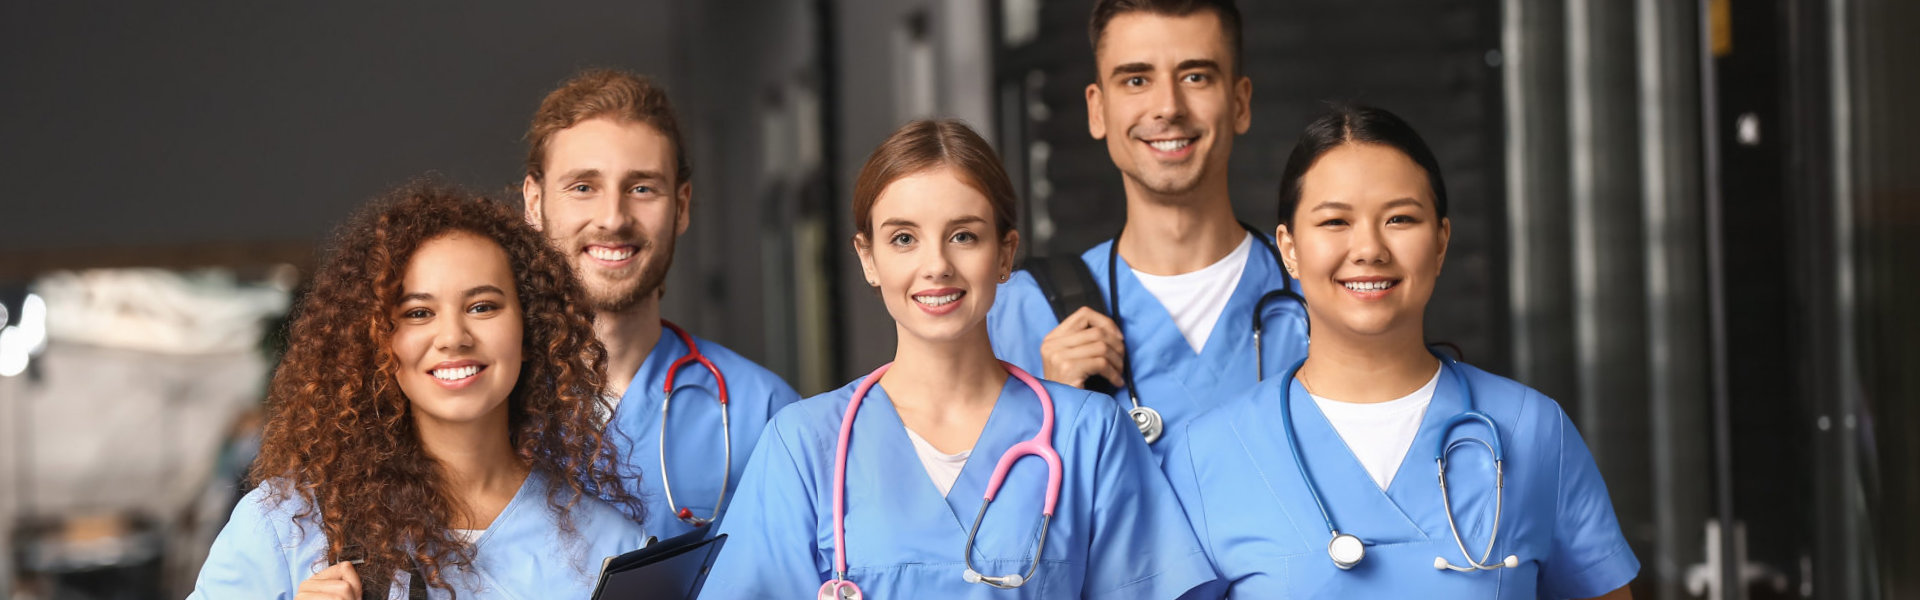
{"points": [[886, 497], [434, 425], [1322, 484]]}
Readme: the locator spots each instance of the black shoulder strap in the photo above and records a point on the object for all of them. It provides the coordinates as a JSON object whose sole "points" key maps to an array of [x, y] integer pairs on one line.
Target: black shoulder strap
{"points": [[1068, 284], [416, 586], [376, 588]]}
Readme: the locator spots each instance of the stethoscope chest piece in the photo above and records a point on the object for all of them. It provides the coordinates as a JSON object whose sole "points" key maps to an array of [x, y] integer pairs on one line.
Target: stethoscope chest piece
{"points": [[839, 589], [1346, 550], [1149, 422]]}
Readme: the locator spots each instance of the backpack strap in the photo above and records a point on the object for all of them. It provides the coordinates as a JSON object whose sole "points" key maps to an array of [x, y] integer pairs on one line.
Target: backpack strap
{"points": [[416, 586], [1067, 283]]}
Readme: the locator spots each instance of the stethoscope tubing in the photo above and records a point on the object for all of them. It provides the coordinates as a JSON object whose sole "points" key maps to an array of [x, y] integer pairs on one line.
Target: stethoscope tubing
{"points": [[1148, 420], [694, 356], [1041, 445], [1468, 414]]}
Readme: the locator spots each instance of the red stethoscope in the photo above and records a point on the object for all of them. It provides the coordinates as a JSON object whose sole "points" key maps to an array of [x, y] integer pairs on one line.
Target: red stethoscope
{"points": [[1041, 445], [726, 437]]}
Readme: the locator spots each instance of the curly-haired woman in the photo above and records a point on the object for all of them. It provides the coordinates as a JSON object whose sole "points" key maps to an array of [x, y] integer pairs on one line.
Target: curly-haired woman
{"points": [[433, 428]]}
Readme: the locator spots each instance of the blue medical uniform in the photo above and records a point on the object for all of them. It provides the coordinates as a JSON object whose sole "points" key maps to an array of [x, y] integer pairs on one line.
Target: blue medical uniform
{"points": [[263, 552], [1266, 538], [695, 450], [1172, 378], [1117, 531]]}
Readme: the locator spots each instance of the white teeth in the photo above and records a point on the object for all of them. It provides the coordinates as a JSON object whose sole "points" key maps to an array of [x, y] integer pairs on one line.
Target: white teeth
{"points": [[1169, 145], [456, 373], [938, 300], [609, 253], [1369, 286]]}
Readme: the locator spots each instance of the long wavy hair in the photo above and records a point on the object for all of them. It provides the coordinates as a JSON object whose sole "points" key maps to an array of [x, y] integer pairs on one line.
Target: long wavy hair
{"points": [[339, 431]]}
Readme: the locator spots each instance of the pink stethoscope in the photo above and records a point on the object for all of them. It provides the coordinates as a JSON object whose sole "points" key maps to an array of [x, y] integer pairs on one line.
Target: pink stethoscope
{"points": [[726, 438], [1041, 445]]}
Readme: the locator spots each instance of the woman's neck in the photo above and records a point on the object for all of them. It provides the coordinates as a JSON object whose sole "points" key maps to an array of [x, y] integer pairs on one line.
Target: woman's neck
{"points": [[478, 464], [1367, 369], [945, 390]]}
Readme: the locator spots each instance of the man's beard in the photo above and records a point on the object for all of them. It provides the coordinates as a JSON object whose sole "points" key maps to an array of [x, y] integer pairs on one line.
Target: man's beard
{"points": [[618, 296]]}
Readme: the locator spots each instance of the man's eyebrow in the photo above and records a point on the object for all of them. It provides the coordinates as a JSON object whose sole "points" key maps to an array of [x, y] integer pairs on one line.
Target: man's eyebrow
{"points": [[1132, 68], [1198, 63], [638, 175], [581, 174]]}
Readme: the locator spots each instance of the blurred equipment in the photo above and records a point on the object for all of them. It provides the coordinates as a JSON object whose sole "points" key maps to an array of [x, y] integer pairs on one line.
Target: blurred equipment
{"points": [[114, 440]]}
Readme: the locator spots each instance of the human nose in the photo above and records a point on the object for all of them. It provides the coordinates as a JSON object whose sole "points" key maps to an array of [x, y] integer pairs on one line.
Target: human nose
{"points": [[1368, 246], [453, 333], [612, 213], [936, 263], [1169, 102]]}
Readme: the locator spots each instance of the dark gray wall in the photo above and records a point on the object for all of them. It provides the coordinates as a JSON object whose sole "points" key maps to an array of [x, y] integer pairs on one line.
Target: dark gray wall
{"points": [[136, 124]]}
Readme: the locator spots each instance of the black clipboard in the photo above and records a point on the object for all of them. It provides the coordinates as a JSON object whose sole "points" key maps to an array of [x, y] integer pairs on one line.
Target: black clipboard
{"points": [[672, 568]]}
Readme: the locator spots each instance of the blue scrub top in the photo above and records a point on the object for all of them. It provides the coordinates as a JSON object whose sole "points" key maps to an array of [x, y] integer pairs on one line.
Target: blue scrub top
{"points": [[695, 450], [265, 553], [1117, 531], [1172, 378], [1266, 538]]}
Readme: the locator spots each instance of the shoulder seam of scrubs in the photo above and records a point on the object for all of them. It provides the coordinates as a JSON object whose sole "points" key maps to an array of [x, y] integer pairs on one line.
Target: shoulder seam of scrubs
{"points": [[280, 545], [1204, 530], [1559, 469], [786, 449]]}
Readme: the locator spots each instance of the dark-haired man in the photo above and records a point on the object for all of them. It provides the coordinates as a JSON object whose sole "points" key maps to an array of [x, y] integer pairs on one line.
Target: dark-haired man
{"points": [[1169, 98]]}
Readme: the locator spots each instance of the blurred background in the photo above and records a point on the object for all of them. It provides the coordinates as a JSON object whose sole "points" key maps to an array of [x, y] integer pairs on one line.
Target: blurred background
{"points": [[1694, 223]]}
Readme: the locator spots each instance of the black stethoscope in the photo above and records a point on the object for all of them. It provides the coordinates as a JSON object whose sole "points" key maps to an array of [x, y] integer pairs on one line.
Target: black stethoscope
{"points": [[1145, 417]]}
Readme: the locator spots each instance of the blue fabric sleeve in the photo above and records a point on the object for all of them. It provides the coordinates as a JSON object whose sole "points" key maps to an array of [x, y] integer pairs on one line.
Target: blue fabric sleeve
{"points": [[1590, 556], [248, 559], [770, 527], [1183, 477], [779, 396], [1142, 546], [1019, 320]]}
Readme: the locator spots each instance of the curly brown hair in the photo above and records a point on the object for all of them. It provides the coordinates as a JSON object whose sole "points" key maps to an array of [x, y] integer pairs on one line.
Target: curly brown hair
{"points": [[339, 432]]}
